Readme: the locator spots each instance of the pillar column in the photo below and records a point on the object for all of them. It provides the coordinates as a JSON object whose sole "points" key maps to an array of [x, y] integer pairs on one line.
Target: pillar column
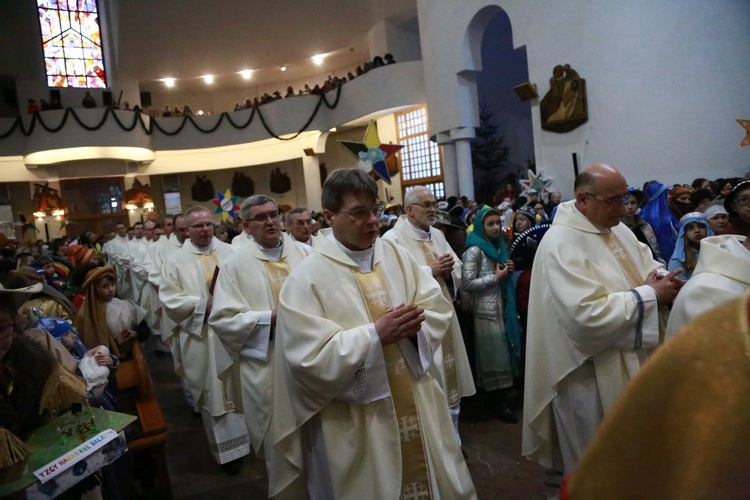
{"points": [[465, 169], [450, 169], [313, 189]]}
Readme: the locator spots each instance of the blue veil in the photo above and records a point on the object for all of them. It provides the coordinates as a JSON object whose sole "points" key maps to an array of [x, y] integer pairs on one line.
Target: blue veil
{"points": [[656, 212]]}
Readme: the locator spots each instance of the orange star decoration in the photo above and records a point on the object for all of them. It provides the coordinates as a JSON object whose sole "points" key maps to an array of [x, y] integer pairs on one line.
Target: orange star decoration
{"points": [[746, 140]]}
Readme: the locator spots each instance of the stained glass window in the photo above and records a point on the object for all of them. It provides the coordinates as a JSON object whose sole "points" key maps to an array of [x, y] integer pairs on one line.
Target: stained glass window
{"points": [[72, 43]]}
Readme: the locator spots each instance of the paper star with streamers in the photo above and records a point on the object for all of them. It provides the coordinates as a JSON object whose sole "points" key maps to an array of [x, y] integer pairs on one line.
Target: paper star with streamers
{"points": [[65, 222], [371, 153], [226, 204], [746, 140], [153, 216], [25, 224], [536, 182]]}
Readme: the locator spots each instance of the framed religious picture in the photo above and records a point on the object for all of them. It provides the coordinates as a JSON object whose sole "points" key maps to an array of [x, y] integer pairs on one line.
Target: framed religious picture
{"points": [[564, 107]]}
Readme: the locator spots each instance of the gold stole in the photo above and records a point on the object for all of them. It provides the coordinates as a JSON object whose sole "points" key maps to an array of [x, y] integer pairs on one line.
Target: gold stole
{"points": [[631, 273], [208, 267], [277, 273], [209, 263], [449, 354], [415, 482], [623, 258]]}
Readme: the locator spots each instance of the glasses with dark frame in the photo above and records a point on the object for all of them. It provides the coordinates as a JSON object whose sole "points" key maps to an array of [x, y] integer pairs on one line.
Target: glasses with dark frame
{"points": [[262, 218]]}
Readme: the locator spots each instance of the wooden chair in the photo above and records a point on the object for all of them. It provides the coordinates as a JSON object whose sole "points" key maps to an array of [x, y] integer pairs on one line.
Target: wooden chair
{"points": [[150, 431]]}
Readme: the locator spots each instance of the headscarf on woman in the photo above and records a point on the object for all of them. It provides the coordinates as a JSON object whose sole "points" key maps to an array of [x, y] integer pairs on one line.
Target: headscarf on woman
{"points": [[91, 320], [656, 212], [678, 259], [678, 208], [496, 251]]}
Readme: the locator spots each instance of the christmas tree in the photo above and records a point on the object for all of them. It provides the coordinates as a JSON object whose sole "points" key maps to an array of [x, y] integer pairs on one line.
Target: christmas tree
{"points": [[488, 154]]}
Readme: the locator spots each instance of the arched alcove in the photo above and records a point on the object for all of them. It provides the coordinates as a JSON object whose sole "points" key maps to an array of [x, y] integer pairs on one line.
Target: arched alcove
{"points": [[503, 120]]}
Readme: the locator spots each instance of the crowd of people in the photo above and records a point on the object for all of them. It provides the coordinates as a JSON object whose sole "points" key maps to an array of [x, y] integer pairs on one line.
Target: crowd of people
{"points": [[331, 83], [337, 346]]}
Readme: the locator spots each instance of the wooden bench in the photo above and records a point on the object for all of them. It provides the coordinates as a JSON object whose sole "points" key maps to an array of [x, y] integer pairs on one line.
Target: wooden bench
{"points": [[150, 431]]}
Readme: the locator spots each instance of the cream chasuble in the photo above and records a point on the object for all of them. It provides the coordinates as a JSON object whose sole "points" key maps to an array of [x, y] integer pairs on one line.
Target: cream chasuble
{"points": [[452, 360], [184, 295], [587, 302], [722, 274], [241, 318], [184, 292], [168, 327], [331, 370], [119, 258]]}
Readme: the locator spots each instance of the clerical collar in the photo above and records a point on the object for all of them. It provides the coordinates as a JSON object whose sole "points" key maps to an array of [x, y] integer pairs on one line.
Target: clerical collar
{"points": [[272, 254], [363, 258], [421, 233], [207, 249]]}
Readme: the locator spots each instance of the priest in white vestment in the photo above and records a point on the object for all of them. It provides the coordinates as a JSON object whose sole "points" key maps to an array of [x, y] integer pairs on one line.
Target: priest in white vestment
{"points": [[594, 318], [138, 275], [244, 317], [119, 258], [723, 270], [430, 249], [141, 264], [356, 409], [299, 224], [185, 292]]}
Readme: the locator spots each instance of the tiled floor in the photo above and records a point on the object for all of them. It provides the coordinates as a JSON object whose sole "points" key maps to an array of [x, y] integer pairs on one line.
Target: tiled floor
{"points": [[494, 450]]}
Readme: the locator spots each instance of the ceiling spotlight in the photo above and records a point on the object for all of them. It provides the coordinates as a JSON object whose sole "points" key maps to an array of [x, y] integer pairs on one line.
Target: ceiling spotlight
{"points": [[246, 74], [318, 59], [283, 68], [200, 112], [169, 82], [209, 79]]}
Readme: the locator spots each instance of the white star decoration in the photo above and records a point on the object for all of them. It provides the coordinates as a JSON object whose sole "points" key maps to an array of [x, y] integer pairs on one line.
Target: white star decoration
{"points": [[537, 182]]}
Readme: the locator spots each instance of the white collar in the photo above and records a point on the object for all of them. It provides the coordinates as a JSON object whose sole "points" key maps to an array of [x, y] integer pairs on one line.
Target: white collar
{"points": [[272, 254], [363, 258], [421, 233]]}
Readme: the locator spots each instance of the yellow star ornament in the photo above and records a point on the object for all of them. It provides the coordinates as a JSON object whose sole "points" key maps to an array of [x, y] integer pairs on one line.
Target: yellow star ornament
{"points": [[746, 140]]}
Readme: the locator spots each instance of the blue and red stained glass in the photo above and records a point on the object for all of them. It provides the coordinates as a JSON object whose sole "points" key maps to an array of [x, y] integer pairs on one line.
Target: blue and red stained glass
{"points": [[72, 43]]}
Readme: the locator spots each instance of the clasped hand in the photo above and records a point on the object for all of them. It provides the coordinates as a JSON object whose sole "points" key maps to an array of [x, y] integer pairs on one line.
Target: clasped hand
{"points": [[666, 286], [442, 266], [399, 323]]}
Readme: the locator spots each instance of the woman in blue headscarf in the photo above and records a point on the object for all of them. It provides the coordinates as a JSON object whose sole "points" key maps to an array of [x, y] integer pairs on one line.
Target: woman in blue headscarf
{"points": [[657, 212], [693, 228], [487, 271]]}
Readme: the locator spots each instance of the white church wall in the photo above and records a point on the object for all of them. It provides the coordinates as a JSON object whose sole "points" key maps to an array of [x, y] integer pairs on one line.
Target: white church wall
{"points": [[665, 80]]}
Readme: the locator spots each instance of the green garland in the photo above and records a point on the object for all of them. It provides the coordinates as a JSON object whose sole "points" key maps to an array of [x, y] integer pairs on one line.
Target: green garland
{"points": [[154, 123]]}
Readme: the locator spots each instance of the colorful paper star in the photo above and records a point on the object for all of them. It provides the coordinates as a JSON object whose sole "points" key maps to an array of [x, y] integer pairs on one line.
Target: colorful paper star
{"points": [[25, 224], [371, 153], [226, 204], [746, 125], [537, 182], [65, 222]]}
